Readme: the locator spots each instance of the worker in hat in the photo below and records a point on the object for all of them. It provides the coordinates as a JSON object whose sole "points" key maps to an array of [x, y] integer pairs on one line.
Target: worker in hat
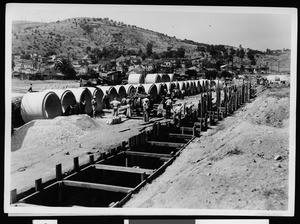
{"points": [[169, 105], [146, 109], [115, 105], [94, 106]]}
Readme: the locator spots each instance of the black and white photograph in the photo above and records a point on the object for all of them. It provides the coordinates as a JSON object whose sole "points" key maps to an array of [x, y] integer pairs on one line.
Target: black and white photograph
{"points": [[150, 110]]}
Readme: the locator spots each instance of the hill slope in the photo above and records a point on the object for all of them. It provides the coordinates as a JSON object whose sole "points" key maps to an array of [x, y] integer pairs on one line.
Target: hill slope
{"points": [[72, 36]]}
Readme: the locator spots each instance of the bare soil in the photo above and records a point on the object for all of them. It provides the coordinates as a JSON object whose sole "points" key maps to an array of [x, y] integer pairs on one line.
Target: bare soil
{"points": [[233, 165]]}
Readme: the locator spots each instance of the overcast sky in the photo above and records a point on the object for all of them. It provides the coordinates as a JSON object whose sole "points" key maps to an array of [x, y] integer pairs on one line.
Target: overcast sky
{"points": [[256, 28]]}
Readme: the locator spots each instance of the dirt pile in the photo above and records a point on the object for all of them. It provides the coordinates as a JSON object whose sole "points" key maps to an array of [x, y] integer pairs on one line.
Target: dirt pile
{"points": [[52, 132], [271, 109], [240, 164]]}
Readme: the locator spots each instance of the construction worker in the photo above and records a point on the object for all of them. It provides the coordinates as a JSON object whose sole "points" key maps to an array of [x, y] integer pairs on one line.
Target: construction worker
{"points": [[146, 109], [115, 105], [30, 88], [94, 106], [128, 110], [169, 105], [106, 100]]}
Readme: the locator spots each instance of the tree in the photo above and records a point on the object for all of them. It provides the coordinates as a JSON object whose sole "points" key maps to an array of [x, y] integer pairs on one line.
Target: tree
{"points": [[65, 66], [149, 48], [180, 52]]}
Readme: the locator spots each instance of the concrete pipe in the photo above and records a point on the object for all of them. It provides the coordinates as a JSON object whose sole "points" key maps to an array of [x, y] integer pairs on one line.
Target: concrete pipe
{"points": [[152, 78], [218, 84], [151, 89], [121, 92], [204, 83], [164, 77], [198, 86], [139, 88], [170, 86], [136, 79], [129, 88], [172, 76], [110, 90], [160, 90], [82, 95], [66, 97], [98, 93], [182, 85], [40, 105]]}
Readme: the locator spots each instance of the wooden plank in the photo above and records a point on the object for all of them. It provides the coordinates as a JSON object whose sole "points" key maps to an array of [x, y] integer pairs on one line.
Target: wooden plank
{"points": [[104, 187], [165, 144], [147, 154], [124, 169], [184, 136]]}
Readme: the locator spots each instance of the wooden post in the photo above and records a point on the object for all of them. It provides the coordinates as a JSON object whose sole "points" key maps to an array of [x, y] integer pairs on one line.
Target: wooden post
{"points": [[143, 176], [76, 164], [205, 122], [194, 130], [38, 184], [13, 196], [123, 145], [92, 159], [126, 161], [129, 143], [58, 170]]}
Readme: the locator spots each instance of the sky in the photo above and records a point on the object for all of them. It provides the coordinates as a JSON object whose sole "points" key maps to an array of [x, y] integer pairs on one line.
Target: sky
{"points": [[256, 28]]}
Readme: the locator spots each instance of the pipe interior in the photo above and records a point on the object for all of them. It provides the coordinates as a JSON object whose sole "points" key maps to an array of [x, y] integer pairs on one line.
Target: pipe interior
{"points": [[52, 106], [67, 99], [86, 95]]}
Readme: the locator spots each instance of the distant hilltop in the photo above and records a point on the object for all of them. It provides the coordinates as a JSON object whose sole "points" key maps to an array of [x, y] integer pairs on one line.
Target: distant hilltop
{"points": [[76, 37]]}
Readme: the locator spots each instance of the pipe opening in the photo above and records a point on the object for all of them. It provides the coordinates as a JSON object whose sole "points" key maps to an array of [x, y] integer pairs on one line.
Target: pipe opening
{"points": [[52, 106]]}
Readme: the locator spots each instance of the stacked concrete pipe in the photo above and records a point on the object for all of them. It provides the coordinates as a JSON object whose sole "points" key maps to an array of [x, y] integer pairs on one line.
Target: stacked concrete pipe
{"points": [[152, 78], [40, 105], [98, 93], [151, 89], [66, 97], [83, 94], [136, 79]]}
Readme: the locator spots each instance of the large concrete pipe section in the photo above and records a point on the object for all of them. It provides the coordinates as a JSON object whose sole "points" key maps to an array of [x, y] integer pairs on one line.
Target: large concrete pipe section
{"points": [[164, 77], [82, 94], [204, 83], [139, 88], [66, 97], [198, 86], [218, 84], [40, 105], [170, 86], [121, 92], [129, 88], [136, 79], [152, 78], [98, 93], [110, 91], [182, 85], [172, 76], [151, 89], [160, 90]]}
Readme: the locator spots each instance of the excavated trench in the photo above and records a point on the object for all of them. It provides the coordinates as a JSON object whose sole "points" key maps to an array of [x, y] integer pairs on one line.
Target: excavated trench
{"points": [[113, 178]]}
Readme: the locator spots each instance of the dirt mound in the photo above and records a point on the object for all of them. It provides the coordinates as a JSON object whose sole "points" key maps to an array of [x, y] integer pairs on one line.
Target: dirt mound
{"points": [[52, 132], [271, 109]]}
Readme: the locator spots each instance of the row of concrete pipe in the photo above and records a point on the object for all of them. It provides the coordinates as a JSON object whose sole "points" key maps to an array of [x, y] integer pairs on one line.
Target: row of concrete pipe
{"points": [[51, 103]]}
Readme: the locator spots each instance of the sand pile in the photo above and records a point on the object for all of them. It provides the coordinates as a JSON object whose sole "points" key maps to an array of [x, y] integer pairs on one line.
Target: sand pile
{"points": [[272, 109], [52, 132]]}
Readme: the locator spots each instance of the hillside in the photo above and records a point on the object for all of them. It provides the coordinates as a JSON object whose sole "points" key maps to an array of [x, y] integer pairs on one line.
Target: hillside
{"points": [[73, 36]]}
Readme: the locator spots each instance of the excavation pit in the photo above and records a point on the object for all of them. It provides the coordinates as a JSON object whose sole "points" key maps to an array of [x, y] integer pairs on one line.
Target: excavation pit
{"points": [[67, 194]]}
